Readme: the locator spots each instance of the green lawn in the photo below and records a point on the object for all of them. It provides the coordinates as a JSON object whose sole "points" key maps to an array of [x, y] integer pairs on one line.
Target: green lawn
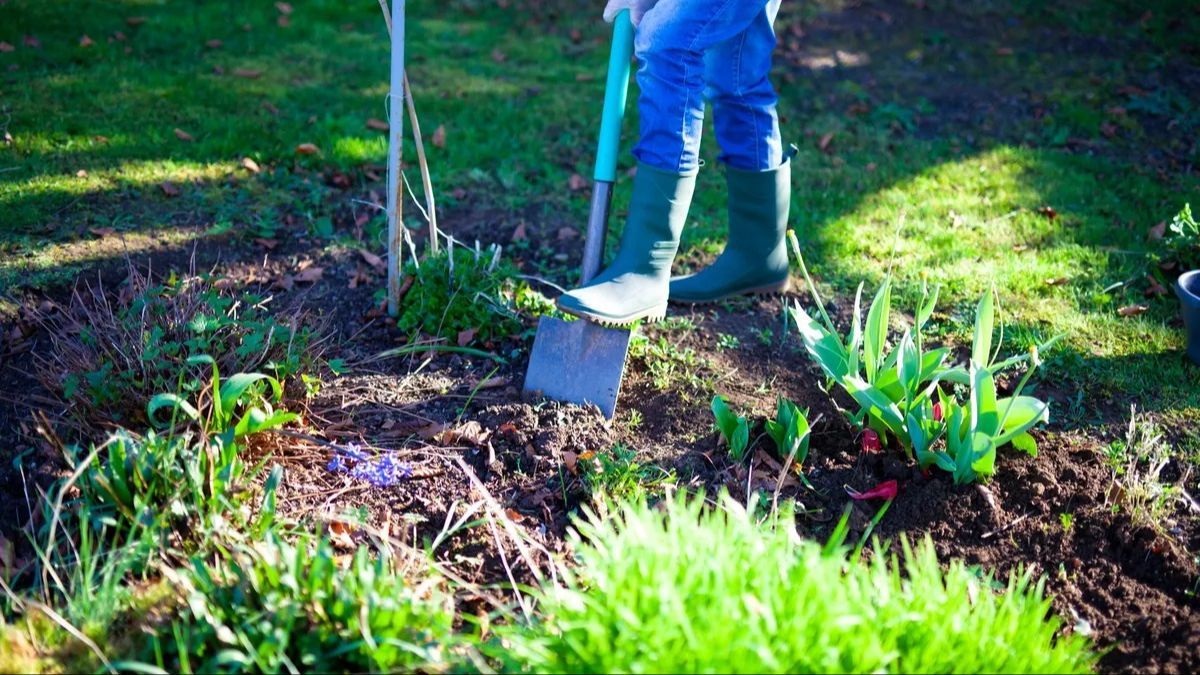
{"points": [[959, 123]]}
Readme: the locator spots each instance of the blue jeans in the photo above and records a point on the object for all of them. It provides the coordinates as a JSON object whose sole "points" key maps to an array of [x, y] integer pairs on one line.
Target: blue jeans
{"points": [[719, 50]]}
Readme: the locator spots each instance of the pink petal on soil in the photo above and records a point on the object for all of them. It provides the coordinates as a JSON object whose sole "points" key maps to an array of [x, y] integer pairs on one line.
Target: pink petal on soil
{"points": [[885, 490]]}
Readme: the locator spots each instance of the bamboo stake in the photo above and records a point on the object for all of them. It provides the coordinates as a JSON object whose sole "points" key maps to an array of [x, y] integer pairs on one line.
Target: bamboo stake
{"points": [[396, 97]]}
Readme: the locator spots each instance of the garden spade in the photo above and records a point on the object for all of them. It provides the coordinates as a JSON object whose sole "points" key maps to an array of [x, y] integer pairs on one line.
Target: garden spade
{"points": [[580, 361]]}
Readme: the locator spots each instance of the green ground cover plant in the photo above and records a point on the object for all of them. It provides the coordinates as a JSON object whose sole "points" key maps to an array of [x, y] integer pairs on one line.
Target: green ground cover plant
{"points": [[615, 476], [679, 588]]}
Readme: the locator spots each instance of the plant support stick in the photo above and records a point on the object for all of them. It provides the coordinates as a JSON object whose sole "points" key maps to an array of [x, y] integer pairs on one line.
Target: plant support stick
{"points": [[395, 138]]}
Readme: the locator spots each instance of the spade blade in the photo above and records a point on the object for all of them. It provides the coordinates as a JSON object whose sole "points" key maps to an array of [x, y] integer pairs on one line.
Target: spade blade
{"points": [[578, 362]]}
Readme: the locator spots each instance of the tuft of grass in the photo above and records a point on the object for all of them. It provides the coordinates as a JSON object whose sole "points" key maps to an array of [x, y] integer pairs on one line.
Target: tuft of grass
{"points": [[275, 606], [1137, 465], [678, 588], [615, 476]]}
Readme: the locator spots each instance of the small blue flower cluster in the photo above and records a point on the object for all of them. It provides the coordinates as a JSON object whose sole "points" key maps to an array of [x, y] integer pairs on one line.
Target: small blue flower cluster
{"points": [[383, 471]]}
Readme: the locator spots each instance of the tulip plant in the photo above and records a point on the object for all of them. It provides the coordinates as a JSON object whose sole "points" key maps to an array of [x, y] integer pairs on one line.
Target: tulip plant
{"points": [[898, 386]]}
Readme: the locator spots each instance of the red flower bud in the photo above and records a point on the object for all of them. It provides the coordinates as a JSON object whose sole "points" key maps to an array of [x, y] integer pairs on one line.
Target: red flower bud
{"points": [[870, 441], [937, 411]]}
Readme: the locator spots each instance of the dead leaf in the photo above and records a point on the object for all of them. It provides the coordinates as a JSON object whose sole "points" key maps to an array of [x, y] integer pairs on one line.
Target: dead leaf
{"points": [[169, 189], [1158, 231], [31, 41], [307, 149], [102, 231], [519, 232], [248, 73], [1004, 51], [470, 432], [1057, 281], [183, 135], [577, 182], [495, 383], [135, 20], [284, 283], [269, 107], [359, 276], [1048, 211], [268, 244], [377, 124], [438, 139], [1133, 310], [1155, 289], [283, 7], [283, 21], [82, 173], [250, 165], [340, 535], [310, 275], [372, 260], [6, 47], [514, 515], [584, 77], [465, 336], [567, 233], [86, 41], [499, 56], [214, 44], [1109, 130], [1020, 248], [1116, 111], [119, 36], [824, 141], [571, 461]]}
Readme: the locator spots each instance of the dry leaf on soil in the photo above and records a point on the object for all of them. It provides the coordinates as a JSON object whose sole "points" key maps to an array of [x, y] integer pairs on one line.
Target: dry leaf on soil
{"points": [[169, 189], [248, 73], [465, 337], [470, 432], [372, 259], [102, 231], [307, 149], [1133, 310], [439, 136], [310, 275], [183, 135], [86, 41], [250, 165], [577, 182]]}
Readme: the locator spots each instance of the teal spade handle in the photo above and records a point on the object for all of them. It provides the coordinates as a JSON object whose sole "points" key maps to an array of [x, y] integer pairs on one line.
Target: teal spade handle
{"points": [[616, 92]]}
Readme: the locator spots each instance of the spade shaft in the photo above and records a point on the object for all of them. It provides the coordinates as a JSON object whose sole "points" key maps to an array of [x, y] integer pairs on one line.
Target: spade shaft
{"points": [[580, 361]]}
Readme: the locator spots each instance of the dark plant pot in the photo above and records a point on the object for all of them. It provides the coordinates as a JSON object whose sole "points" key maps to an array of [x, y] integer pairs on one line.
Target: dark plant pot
{"points": [[1188, 290]]}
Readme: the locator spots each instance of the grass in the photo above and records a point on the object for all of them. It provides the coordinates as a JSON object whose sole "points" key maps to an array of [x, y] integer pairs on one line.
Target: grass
{"points": [[680, 589]]}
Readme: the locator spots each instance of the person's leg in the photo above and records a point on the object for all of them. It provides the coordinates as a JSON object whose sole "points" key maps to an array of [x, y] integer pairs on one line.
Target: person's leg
{"points": [[669, 43], [757, 172]]}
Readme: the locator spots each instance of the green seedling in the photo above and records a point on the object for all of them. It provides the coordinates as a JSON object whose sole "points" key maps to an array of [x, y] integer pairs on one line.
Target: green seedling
{"points": [[790, 431], [735, 429]]}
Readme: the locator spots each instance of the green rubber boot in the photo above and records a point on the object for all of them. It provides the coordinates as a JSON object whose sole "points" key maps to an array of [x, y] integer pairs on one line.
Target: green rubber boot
{"points": [[755, 259], [635, 285]]}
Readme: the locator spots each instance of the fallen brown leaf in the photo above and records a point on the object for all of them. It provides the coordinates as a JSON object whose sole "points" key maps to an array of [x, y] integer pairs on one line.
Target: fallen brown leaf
{"points": [[1154, 289], [31, 41], [372, 259], [283, 21], [6, 47], [514, 516], [214, 44], [283, 7], [519, 232], [250, 165], [377, 124], [470, 432], [307, 149], [1004, 51], [268, 244], [438, 139], [567, 233], [119, 36], [82, 173], [248, 73], [102, 231], [584, 77], [359, 276], [824, 142], [86, 41], [1048, 211], [1057, 281], [1159, 230], [169, 189], [340, 535], [1133, 310], [577, 182], [499, 56], [183, 135], [1020, 248], [269, 107], [465, 336], [571, 461], [135, 20], [284, 283], [310, 275]]}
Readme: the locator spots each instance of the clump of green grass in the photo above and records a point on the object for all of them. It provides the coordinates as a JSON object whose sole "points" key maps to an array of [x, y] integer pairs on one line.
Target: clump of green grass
{"points": [[467, 295], [110, 353], [678, 588], [275, 606], [1137, 464], [613, 476]]}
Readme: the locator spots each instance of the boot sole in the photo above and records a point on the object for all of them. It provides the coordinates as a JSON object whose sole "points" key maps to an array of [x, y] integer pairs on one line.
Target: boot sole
{"points": [[768, 291], [652, 315]]}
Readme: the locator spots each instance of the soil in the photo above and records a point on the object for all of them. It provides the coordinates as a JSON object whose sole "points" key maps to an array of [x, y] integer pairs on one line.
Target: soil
{"points": [[1133, 588]]}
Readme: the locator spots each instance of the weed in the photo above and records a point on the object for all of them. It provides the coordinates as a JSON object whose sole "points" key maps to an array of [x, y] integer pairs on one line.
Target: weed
{"points": [[109, 355], [726, 341], [324, 615], [670, 366], [660, 588], [1067, 520], [615, 476], [466, 295], [764, 336], [1137, 465]]}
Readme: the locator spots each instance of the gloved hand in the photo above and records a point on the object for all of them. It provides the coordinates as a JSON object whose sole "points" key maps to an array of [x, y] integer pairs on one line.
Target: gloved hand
{"points": [[636, 8]]}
